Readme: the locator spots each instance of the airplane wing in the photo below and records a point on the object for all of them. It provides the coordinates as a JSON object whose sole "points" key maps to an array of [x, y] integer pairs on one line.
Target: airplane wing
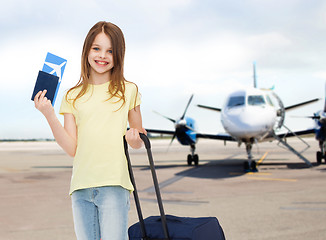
{"points": [[160, 131], [224, 137], [209, 108], [296, 133], [227, 137], [301, 104]]}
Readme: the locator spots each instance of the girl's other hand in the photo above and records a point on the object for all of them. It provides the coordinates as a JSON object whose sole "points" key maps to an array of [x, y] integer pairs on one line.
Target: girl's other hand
{"points": [[133, 138], [43, 104]]}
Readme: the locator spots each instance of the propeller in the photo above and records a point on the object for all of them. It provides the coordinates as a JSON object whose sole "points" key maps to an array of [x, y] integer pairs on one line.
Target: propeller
{"points": [[187, 106], [320, 115], [180, 122], [172, 120]]}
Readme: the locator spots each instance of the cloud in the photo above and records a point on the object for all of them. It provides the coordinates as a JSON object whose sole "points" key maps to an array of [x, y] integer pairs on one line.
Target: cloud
{"points": [[174, 48], [21, 60], [174, 62]]}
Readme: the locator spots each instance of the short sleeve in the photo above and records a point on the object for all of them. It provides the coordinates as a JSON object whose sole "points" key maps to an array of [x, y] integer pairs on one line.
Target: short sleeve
{"points": [[66, 107], [135, 98]]}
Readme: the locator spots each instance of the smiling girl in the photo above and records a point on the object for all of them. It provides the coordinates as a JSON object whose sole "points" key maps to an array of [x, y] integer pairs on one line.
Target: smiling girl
{"points": [[96, 113]]}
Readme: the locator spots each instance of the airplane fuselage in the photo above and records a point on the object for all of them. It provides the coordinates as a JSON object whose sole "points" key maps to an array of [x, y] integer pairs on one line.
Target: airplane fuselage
{"points": [[248, 114]]}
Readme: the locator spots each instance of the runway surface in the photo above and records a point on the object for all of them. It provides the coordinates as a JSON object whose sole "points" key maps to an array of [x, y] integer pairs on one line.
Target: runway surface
{"points": [[284, 200]]}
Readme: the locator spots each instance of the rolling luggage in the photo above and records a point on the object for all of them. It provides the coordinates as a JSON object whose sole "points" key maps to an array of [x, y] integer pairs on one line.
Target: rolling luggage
{"points": [[168, 227]]}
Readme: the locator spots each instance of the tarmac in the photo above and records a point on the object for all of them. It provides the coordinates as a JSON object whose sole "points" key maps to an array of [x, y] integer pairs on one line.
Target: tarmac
{"points": [[285, 199]]}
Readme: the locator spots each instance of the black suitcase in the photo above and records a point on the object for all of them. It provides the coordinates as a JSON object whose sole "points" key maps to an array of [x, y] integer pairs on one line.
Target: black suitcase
{"points": [[168, 227]]}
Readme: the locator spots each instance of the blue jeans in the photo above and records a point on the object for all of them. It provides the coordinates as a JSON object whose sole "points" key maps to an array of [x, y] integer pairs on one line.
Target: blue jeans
{"points": [[101, 213]]}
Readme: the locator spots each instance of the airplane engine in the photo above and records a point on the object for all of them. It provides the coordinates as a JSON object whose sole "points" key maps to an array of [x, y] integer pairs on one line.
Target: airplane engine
{"points": [[280, 112]]}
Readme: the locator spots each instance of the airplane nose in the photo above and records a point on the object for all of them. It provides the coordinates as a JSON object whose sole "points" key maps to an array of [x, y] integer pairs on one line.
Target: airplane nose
{"points": [[249, 122]]}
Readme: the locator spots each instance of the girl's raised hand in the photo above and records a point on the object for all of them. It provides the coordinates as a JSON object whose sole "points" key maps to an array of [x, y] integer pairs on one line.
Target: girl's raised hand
{"points": [[43, 104]]}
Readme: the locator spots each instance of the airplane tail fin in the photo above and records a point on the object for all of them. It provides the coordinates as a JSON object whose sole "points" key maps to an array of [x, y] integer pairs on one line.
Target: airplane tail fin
{"points": [[325, 99], [255, 76]]}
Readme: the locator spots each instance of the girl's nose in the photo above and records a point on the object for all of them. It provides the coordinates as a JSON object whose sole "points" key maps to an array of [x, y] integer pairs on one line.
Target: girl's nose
{"points": [[102, 54]]}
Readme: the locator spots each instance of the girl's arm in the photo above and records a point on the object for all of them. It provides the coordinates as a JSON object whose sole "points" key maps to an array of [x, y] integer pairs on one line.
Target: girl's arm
{"points": [[136, 127], [65, 136]]}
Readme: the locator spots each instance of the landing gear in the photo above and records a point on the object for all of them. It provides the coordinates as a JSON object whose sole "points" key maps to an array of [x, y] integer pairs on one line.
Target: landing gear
{"points": [[250, 166], [319, 157], [321, 154], [253, 166], [192, 157], [248, 148]]}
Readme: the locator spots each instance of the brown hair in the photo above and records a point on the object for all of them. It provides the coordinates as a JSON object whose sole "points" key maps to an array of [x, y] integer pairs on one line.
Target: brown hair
{"points": [[117, 81]]}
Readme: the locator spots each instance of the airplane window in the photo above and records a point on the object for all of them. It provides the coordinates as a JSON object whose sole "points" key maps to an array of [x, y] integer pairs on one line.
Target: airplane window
{"points": [[269, 100], [236, 101], [256, 100]]}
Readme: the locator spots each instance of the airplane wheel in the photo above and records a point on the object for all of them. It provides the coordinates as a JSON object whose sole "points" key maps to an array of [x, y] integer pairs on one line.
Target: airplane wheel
{"points": [[253, 166], [319, 157], [196, 159], [189, 159], [246, 166]]}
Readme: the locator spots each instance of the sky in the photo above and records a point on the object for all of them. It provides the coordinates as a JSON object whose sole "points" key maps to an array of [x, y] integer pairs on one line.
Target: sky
{"points": [[174, 48]]}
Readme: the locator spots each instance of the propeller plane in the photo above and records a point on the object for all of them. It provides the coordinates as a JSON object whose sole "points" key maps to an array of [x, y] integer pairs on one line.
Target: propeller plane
{"points": [[249, 116]]}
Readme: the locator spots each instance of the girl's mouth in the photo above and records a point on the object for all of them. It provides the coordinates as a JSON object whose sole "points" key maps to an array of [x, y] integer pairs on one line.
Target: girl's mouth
{"points": [[101, 62]]}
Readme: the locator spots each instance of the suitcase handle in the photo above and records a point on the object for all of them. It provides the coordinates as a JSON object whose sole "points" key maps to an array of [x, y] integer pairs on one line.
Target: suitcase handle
{"points": [[146, 141], [156, 185]]}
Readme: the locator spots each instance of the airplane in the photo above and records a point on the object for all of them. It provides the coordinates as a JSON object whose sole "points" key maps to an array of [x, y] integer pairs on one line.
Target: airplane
{"points": [[320, 134], [249, 116], [319, 118], [56, 68], [185, 132]]}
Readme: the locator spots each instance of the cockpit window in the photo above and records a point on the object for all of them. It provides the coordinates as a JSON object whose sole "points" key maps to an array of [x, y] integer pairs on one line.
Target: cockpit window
{"points": [[269, 100], [256, 100], [236, 101]]}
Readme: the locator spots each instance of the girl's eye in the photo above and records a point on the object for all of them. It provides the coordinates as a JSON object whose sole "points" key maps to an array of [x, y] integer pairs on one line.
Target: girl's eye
{"points": [[110, 51], [96, 48]]}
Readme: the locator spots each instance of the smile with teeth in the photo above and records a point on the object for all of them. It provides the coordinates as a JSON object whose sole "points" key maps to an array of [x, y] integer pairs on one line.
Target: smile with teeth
{"points": [[101, 62]]}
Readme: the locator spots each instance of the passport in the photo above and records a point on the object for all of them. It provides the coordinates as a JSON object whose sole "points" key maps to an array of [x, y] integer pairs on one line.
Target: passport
{"points": [[50, 76], [46, 81]]}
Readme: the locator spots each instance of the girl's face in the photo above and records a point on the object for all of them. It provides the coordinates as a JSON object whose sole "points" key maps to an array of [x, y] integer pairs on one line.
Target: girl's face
{"points": [[100, 56]]}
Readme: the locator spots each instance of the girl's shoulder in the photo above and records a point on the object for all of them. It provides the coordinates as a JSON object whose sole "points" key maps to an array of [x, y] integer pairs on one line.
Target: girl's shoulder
{"points": [[73, 92], [131, 85]]}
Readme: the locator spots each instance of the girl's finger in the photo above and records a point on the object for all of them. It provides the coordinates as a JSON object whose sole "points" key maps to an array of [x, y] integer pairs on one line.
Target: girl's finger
{"points": [[135, 132], [43, 93], [37, 96]]}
